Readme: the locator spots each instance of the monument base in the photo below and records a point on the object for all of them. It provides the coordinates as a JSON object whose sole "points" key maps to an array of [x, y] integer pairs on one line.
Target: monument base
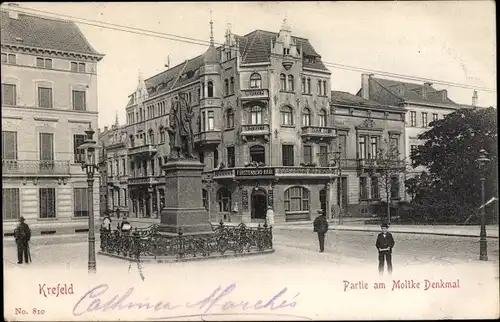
{"points": [[189, 220]]}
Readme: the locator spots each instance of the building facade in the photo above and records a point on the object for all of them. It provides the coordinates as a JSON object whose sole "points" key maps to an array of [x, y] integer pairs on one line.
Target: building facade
{"points": [[49, 98], [366, 129]]}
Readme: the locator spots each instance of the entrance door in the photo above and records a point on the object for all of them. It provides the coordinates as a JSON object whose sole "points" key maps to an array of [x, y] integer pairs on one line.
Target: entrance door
{"points": [[323, 200], [259, 204]]}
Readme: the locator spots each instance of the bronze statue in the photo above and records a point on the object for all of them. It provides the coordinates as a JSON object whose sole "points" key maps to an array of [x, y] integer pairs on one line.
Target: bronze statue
{"points": [[180, 131]]}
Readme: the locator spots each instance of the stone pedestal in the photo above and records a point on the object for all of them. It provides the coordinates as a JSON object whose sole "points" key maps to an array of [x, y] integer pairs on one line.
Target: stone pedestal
{"points": [[183, 201]]}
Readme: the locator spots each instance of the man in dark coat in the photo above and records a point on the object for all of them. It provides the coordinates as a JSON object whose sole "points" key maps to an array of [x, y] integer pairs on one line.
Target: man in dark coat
{"points": [[384, 245], [321, 227], [22, 234]]}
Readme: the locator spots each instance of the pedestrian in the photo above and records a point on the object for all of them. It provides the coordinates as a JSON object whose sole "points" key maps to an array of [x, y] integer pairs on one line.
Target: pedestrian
{"points": [[119, 222], [22, 234], [126, 227], [321, 227], [384, 245], [106, 222]]}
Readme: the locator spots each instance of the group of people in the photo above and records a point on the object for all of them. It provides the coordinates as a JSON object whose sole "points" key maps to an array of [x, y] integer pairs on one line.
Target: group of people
{"points": [[384, 243], [122, 226]]}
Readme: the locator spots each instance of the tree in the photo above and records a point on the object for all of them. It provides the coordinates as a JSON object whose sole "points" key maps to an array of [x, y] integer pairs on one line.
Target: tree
{"points": [[450, 188]]}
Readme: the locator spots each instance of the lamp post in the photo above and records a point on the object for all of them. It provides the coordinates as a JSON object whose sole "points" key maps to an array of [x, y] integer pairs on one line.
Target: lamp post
{"points": [[335, 162], [89, 166], [483, 244]]}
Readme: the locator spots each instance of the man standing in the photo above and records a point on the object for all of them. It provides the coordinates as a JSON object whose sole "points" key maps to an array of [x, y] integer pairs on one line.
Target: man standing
{"points": [[321, 227], [22, 234], [384, 245]]}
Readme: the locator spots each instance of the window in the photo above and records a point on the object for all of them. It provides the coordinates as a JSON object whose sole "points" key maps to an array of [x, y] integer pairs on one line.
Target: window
{"points": [[296, 199], [8, 59], [362, 147], [287, 155], [151, 137], [78, 155], [230, 118], [308, 86], [46, 146], [324, 88], [210, 87], [204, 198], [125, 197], [373, 147], [307, 154], [424, 119], [231, 160], [394, 188], [413, 118], [306, 117], [323, 156], [256, 114], [216, 158], [201, 157], [124, 167], [45, 97], [322, 118], [79, 103], [375, 188], [394, 144], [224, 200], [9, 145], [363, 188], [255, 81], [162, 135], [290, 83], [303, 85], [342, 145], [320, 88], [78, 67], [80, 205], [283, 82], [10, 203], [211, 120], [74, 67], [8, 94], [232, 85], [226, 87], [203, 115], [44, 62], [152, 168], [286, 115], [258, 154], [202, 92], [434, 116], [47, 200]]}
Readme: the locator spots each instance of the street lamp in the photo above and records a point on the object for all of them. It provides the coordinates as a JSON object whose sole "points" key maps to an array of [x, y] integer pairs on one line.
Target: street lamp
{"points": [[483, 244], [89, 165]]}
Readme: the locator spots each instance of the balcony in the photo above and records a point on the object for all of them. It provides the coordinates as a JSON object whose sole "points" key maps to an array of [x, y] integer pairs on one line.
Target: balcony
{"points": [[148, 180], [318, 132], [146, 150], [252, 173], [254, 94], [373, 165], [207, 137], [210, 102], [251, 131], [20, 168]]}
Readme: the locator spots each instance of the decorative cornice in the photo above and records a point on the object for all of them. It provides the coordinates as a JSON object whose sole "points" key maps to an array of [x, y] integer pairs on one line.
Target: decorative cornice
{"points": [[12, 117], [55, 52], [46, 119]]}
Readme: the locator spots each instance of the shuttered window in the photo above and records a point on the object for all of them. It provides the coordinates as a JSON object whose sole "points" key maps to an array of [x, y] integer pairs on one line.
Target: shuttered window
{"points": [[10, 203], [8, 94], [323, 156], [78, 154], [287, 155], [307, 154], [45, 97], [9, 145], [80, 204], [47, 200], [79, 103], [46, 146]]}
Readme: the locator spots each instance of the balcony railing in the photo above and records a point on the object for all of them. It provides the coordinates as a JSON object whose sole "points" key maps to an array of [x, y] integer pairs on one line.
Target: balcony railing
{"points": [[207, 137], [143, 180], [319, 131], [375, 164], [253, 130], [255, 93], [210, 102], [146, 149], [267, 172], [35, 167]]}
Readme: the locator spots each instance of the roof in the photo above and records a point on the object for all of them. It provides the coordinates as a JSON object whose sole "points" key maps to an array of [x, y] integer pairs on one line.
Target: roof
{"points": [[339, 97], [35, 31], [414, 92]]}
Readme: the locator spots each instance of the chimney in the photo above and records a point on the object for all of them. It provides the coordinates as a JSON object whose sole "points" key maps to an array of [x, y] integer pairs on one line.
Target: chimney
{"points": [[474, 98], [13, 14], [365, 86], [424, 89], [444, 95]]}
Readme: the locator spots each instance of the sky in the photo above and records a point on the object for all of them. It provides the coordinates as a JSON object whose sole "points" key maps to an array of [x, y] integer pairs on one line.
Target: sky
{"points": [[452, 41]]}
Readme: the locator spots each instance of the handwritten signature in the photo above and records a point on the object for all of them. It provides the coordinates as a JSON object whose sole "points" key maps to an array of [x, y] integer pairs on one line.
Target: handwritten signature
{"points": [[99, 299]]}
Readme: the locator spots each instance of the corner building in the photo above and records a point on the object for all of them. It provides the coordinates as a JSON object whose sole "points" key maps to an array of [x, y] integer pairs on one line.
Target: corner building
{"points": [[49, 98], [262, 128]]}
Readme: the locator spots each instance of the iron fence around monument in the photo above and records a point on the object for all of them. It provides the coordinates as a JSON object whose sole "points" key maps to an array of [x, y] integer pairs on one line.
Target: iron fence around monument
{"points": [[147, 242]]}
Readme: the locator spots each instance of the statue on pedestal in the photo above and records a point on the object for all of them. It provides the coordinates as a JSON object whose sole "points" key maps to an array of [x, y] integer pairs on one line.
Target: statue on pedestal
{"points": [[180, 131]]}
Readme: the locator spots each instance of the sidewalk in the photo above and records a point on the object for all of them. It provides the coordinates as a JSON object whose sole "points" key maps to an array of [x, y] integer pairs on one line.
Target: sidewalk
{"points": [[444, 230]]}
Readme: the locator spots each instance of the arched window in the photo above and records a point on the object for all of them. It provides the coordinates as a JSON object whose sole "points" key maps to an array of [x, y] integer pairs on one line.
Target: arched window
{"points": [[297, 199], [230, 118], [256, 114], [322, 118], [308, 86], [286, 115], [204, 198], [232, 86], [151, 137], [224, 200], [290, 83], [320, 88], [306, 117], [283, 82], [226, 87], [303, 85], [255, 81], [162, 135], [324, 88], [210, 87], [132, 141], [258, 154]]}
